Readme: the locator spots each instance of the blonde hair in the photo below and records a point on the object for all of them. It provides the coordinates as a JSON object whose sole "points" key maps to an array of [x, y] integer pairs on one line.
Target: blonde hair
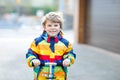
{"points": [[54, 17]]}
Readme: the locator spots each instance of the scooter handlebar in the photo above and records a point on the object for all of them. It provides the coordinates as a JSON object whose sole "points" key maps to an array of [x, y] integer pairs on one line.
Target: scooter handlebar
{"points": [[52, 63]]}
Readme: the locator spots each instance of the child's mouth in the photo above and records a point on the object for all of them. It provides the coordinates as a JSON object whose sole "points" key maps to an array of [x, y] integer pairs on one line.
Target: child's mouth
{"points": [[52, 31]]}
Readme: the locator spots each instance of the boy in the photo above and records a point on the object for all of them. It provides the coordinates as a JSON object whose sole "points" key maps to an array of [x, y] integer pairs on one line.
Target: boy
{"points": [[50, 47]]}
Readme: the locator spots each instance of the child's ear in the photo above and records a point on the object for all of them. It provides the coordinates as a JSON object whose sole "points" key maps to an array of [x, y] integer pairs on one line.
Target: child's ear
{"points": [[44, 27], [61, 32]]}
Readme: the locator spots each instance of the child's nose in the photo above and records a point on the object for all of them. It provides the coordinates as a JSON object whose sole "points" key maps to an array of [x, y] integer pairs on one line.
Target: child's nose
{"points": [[53, 26]]}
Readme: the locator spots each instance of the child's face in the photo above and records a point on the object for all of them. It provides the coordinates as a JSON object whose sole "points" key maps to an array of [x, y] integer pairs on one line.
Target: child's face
{"points": [[52, 28]]}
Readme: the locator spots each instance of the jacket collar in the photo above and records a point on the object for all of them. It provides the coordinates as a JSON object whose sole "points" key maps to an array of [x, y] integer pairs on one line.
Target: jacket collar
{"points": [[47, 37]]}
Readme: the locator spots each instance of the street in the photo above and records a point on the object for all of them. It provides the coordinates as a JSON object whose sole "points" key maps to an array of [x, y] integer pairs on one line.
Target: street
{"points": [[91, 64]]}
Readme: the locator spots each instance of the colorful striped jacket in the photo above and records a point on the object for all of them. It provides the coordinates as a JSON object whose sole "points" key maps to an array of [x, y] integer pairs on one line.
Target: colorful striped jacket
{"points": [[48, 49]]}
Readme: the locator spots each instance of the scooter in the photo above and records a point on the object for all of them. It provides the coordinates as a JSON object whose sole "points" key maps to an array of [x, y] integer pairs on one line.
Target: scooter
{"points": [[51, 76]]}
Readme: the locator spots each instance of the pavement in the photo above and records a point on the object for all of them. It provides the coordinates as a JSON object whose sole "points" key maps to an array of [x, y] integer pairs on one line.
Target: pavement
{"points": [[92, 63]]}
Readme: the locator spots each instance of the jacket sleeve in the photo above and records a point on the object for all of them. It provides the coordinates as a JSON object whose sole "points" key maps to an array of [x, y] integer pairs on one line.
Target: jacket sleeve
{"points": [[32, 54], [70, 54]]}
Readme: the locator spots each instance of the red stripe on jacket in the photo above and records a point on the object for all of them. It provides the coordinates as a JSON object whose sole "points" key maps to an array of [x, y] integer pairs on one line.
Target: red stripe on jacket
{"points": [[46, 57]]}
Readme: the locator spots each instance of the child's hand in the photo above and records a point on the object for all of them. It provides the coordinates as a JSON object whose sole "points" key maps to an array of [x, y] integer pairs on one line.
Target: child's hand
{"points": [[66, 62], [36, 62]]}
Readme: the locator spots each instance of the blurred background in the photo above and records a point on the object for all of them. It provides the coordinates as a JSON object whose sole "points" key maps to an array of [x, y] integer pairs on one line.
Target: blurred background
{"points": [[93, 26], [24, 16]]}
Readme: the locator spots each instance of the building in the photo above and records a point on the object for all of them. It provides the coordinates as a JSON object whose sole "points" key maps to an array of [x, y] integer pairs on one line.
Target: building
{"points": [[97, 23]]}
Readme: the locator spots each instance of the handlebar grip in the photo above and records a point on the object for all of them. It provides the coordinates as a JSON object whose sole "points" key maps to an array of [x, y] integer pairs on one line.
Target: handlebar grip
{"points": [[42, 63], [59, 63]]}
